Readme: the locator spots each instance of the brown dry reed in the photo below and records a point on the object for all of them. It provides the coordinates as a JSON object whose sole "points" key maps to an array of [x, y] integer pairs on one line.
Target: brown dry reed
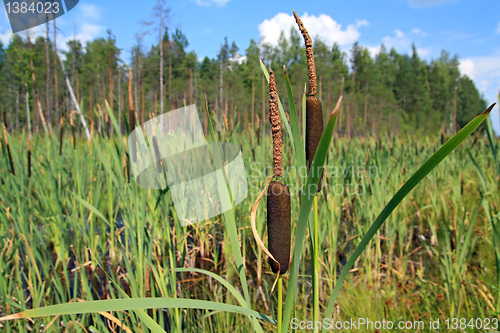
{"points": [[278, 194]]}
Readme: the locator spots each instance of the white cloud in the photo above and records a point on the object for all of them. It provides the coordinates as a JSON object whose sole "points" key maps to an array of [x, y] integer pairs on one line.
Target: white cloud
{"points": [[402, 41], [498, 28], [418, 32], [85, 28], [82, 25], [467, 67], [322, 26], [218, 3], [374, 50], [5, 37], [485, 72], [89, 11], [427, 3]]}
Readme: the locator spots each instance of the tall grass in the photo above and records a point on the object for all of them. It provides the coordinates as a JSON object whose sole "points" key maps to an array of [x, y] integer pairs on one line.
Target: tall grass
{"points": [[78, 230]]}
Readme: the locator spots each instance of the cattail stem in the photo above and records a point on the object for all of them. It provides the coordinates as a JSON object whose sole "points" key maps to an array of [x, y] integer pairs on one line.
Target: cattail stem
{"points": [[316, 264], [280, 302]]}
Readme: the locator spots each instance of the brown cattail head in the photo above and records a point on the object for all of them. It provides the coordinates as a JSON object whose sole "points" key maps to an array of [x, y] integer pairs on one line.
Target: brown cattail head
{"points": [[274, 118], [6, 139], [309, 54], [28, 153], [314, 128], [61, 135], [279, 225], [131, 113]]}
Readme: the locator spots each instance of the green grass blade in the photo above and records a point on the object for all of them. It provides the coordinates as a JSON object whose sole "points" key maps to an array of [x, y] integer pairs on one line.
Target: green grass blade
{"points": [[130, 304], [220, 279], [427, 167], [91, 208], [489, 132]]}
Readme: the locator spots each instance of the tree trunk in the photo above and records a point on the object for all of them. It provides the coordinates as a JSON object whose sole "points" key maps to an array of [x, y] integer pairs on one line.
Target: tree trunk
{"points": [[366, 110], [73, 98], [348, 120], [142, 106], [111, 85], [47, 85], [162, 96], [39, 105], [56, 84], [221, 81], [253, 103], [454, 128], [170, 82], [17, 109], [190, 86], [120, 103]]}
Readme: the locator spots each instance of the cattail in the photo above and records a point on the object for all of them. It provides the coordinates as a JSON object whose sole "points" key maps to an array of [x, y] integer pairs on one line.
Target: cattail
{"points": [[29, 154], [6, 139], [278, 194], [314, 112], [278, 225], [131, 115], [61, 135], [73, 139]]}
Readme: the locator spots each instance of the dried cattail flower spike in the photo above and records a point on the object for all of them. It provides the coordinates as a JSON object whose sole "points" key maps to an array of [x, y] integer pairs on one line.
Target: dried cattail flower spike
{"points": [[274, 118], [278, 194], [314, 112]]}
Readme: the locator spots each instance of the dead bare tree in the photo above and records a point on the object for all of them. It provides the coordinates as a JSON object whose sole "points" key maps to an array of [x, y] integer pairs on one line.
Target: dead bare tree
{"points": [[160, 16]]}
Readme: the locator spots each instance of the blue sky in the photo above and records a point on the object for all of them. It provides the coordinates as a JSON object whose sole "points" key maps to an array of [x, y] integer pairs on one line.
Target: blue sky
{"points": [[468, 28]]}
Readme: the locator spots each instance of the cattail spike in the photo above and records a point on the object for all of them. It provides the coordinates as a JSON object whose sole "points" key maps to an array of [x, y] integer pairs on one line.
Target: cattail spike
{"points": [[274, 118], [309, 54]]}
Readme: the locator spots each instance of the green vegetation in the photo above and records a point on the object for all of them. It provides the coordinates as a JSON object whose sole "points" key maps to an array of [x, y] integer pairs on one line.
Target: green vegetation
{"points": [[78, 237], [77, 229], [386, 92]]}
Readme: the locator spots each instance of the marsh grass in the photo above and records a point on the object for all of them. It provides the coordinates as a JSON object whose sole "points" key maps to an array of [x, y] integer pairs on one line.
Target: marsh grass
{"points": [[78, 230]]}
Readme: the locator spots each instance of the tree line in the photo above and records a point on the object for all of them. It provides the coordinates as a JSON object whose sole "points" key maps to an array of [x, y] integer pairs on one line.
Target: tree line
{"points": [[386, 93]]}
